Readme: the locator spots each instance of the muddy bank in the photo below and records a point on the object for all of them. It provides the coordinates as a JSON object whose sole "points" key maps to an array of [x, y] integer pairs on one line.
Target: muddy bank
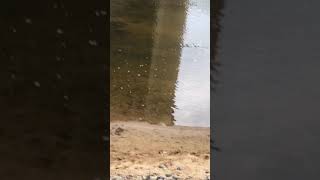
{"points": [[140, 150]]}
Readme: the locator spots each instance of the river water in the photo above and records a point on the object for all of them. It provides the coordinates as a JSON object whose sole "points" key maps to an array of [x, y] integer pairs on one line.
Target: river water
{"points": [[160, 61]]}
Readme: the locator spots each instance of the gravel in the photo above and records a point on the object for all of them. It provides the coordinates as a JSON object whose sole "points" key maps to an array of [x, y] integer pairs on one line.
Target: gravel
{"points": [[153, 177]]}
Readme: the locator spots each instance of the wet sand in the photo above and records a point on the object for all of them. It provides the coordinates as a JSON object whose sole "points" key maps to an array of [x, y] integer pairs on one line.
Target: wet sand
{"points": [[139, 150]]}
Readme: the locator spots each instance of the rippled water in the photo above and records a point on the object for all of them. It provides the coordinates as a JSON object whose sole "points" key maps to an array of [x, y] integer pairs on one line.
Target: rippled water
{"points": [[160, 55]]}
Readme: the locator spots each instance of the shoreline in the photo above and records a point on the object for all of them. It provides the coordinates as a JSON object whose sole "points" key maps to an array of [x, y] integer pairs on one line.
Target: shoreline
{"points": [[140, 150]]}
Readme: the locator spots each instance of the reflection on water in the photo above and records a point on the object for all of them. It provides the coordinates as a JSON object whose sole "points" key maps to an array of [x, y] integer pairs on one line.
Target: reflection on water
{"points": [[160, 61]]}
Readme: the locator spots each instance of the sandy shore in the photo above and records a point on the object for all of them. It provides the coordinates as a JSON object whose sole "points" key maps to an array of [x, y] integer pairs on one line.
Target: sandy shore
{"points": [[144, 151]]}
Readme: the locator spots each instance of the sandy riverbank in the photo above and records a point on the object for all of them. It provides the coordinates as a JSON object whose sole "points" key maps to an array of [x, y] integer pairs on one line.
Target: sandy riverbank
{"points": [[140, 149]]}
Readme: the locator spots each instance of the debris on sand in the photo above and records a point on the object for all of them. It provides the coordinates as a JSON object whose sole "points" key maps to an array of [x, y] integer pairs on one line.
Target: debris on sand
{"points": [[119, 131]]}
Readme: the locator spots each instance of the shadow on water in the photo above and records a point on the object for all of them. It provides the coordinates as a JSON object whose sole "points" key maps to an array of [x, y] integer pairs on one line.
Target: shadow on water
{"points": [[158, 57]]}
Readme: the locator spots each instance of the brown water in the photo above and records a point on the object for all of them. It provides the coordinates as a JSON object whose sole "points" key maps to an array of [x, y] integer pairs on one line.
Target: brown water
{"points": [[160, 55]]}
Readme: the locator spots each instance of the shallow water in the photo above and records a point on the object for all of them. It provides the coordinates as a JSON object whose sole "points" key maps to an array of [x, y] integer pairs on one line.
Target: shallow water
{"points": [[160, 55]]}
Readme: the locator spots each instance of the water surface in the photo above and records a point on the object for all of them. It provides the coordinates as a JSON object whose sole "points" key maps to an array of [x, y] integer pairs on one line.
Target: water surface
{"points": [[160, 61]]}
